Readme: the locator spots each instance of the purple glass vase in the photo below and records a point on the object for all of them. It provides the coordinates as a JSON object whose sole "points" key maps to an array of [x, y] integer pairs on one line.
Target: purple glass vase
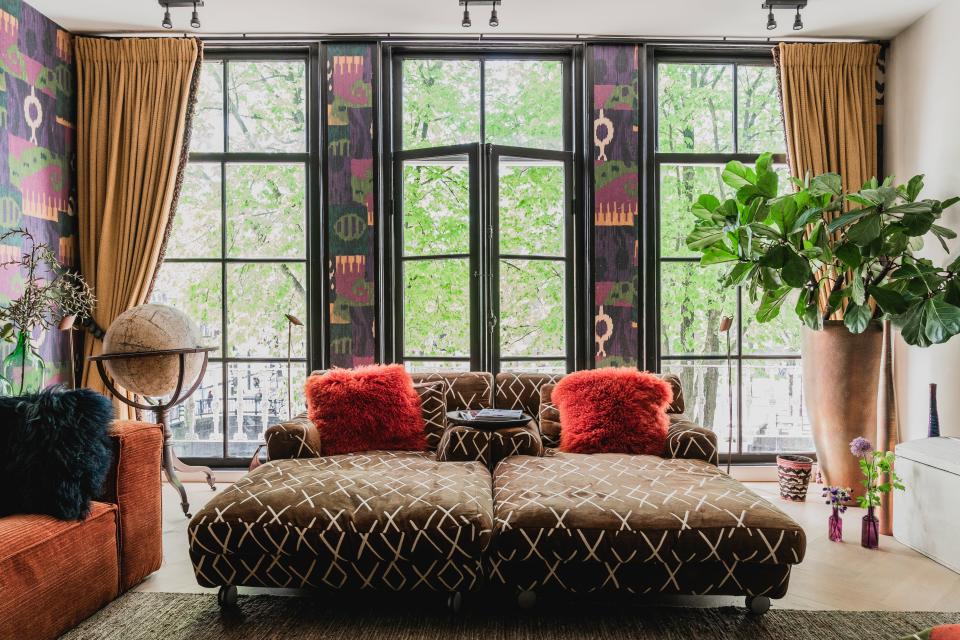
{"points": [[870, 530], [835, 526]]}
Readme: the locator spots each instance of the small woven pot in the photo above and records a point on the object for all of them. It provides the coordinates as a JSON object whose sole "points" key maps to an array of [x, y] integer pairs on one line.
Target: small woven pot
{"points": [[794, 474]]}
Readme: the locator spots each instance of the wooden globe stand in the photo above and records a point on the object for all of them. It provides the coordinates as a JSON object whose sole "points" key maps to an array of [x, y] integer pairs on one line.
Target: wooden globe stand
{"points": [[171, 463]]}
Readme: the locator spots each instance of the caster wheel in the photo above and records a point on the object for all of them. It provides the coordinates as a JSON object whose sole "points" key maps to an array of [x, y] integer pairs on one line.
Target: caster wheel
{"points": [[455, 602], [758, 605], [527, 599], [227, 597]]}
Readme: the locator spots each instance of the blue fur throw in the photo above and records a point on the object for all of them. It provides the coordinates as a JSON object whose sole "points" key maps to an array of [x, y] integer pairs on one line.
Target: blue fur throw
{"points": [[55, 452]]}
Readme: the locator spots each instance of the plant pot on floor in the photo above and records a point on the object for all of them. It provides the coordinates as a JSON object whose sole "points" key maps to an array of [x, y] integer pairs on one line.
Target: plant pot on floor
{"points": [[841, 373], [794, 475]]}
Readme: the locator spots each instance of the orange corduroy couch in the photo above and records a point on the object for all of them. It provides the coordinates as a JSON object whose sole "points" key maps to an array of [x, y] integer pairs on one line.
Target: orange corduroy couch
{"points": [[54, 573]]}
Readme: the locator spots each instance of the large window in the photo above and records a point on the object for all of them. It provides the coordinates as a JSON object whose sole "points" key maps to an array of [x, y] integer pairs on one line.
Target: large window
{"points": [[710, 111], [236, 261], [482, 213]]}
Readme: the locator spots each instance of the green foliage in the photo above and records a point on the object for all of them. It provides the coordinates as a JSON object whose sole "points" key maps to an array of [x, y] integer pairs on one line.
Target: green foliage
{"points": [[876, 466], [857, 247]]}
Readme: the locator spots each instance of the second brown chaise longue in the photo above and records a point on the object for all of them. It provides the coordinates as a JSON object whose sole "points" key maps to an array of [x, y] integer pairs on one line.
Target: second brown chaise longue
{"points": [[506, 510]]}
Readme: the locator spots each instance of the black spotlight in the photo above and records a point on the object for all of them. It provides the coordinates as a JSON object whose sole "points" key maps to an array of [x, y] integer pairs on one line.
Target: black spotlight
{"points": [[494, 18], [195, 19], [466, 16], [798, 21], [167, 20], [771, 21]]}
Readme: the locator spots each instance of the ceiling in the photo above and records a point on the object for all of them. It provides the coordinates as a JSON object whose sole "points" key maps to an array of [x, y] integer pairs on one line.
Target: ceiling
{"points": [[656, 18]]}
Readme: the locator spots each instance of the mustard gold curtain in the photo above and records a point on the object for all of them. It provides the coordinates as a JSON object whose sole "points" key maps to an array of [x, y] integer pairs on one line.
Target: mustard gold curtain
{"points": [[134, 103], [829, 98]]}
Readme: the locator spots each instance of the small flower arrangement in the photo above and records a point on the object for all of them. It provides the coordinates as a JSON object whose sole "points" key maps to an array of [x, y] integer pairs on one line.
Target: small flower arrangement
{"points": [[874, 465], [837, 498]]}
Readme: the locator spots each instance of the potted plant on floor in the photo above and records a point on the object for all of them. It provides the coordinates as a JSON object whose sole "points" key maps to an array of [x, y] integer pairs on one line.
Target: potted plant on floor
{"points": [[842, 262], [51, 292]]}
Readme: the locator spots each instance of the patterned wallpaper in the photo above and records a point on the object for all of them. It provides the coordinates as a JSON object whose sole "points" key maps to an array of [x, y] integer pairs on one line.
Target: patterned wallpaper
{"points": [[616, 202], [351, 204], [36, 151]]}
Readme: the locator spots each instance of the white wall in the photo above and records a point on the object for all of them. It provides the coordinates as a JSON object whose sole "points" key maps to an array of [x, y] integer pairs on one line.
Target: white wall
{"points": [[922, 126]]}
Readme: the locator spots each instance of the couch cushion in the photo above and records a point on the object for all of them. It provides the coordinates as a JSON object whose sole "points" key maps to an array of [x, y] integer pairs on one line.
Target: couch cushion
{"points": [[54, 573], [433, 408], [466, 390], [522, 390], [392, 520], [370, 408], [620, 508], [56, 451]]}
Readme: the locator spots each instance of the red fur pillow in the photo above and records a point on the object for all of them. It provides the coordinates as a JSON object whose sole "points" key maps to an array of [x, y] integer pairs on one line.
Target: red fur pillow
{"points": [[366, 409], [613, 411]]}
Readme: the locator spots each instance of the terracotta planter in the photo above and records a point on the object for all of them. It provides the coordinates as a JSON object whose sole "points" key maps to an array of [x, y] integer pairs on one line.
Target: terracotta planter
{"points": [[841, 374]]}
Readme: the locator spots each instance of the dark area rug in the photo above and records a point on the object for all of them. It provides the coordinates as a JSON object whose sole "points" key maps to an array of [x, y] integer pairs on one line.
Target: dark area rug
{"points": [[170, 616]]}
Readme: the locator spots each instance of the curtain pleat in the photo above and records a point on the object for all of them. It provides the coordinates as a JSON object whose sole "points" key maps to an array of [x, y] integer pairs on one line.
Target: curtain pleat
{"points": [[135, 99], [829, 98]]}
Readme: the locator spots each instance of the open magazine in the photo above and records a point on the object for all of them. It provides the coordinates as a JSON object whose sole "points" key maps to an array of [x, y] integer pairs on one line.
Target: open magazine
{"points": [[492, 414]]}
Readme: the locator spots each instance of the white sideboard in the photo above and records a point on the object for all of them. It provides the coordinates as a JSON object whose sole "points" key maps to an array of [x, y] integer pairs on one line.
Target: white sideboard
{"points": [[926, 517]]}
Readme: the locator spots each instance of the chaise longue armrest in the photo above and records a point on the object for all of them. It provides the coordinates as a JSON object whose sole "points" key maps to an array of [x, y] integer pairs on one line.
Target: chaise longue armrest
{"points": [[296, 438], [133, 484], [688, 440]]}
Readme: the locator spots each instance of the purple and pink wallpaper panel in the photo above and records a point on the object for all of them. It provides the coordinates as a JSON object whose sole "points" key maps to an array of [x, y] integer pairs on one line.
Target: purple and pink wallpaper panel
{"points": [[37, 107], [351, 209], [616, 203]]}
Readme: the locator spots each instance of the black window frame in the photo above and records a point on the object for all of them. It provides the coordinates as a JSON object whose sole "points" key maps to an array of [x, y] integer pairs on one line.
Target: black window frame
{"points": [[650, 337], [484, 235], [311, 158]]}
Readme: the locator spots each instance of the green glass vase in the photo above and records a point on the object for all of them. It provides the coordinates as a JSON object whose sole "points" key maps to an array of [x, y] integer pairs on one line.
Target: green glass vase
{"points": [[24, 371]]}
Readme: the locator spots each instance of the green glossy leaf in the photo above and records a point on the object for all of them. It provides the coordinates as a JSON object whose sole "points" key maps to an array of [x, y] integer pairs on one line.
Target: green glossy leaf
{"points": [[858, 292], [914, 187], [704, 236], [889, 301], [952, 292], [917, 224], [796, 271], [942, 320], [776, 257], [764, 164], [768, 184], [826, 184], [760, 229], [737, 175], [784, 213], [949, 202], [857, 317], [849, 218], [912, 207], [770, 304], [705, 206], [860, 200], [739, 273], [865, 231], [849, 254], [912, 326], [717, 255]]}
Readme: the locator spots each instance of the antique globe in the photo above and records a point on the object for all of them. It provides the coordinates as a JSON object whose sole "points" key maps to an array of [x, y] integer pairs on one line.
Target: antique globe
{"points": [[152, 327]]}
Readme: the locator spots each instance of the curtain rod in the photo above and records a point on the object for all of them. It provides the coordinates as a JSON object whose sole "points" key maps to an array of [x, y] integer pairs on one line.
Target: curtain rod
{"points": [[249, 38]]}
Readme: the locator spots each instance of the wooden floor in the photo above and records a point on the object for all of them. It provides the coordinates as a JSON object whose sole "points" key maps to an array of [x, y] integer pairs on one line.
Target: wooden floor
{"points": [[833, 576]]}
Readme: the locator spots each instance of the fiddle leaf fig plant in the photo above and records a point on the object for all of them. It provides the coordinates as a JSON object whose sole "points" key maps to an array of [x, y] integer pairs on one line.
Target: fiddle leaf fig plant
{"points": [[827, 252]]}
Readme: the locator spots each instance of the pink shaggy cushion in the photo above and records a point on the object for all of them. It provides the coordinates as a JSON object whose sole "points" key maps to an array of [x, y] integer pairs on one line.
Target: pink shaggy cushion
{"points": [[613, 411], [366, 409]]}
